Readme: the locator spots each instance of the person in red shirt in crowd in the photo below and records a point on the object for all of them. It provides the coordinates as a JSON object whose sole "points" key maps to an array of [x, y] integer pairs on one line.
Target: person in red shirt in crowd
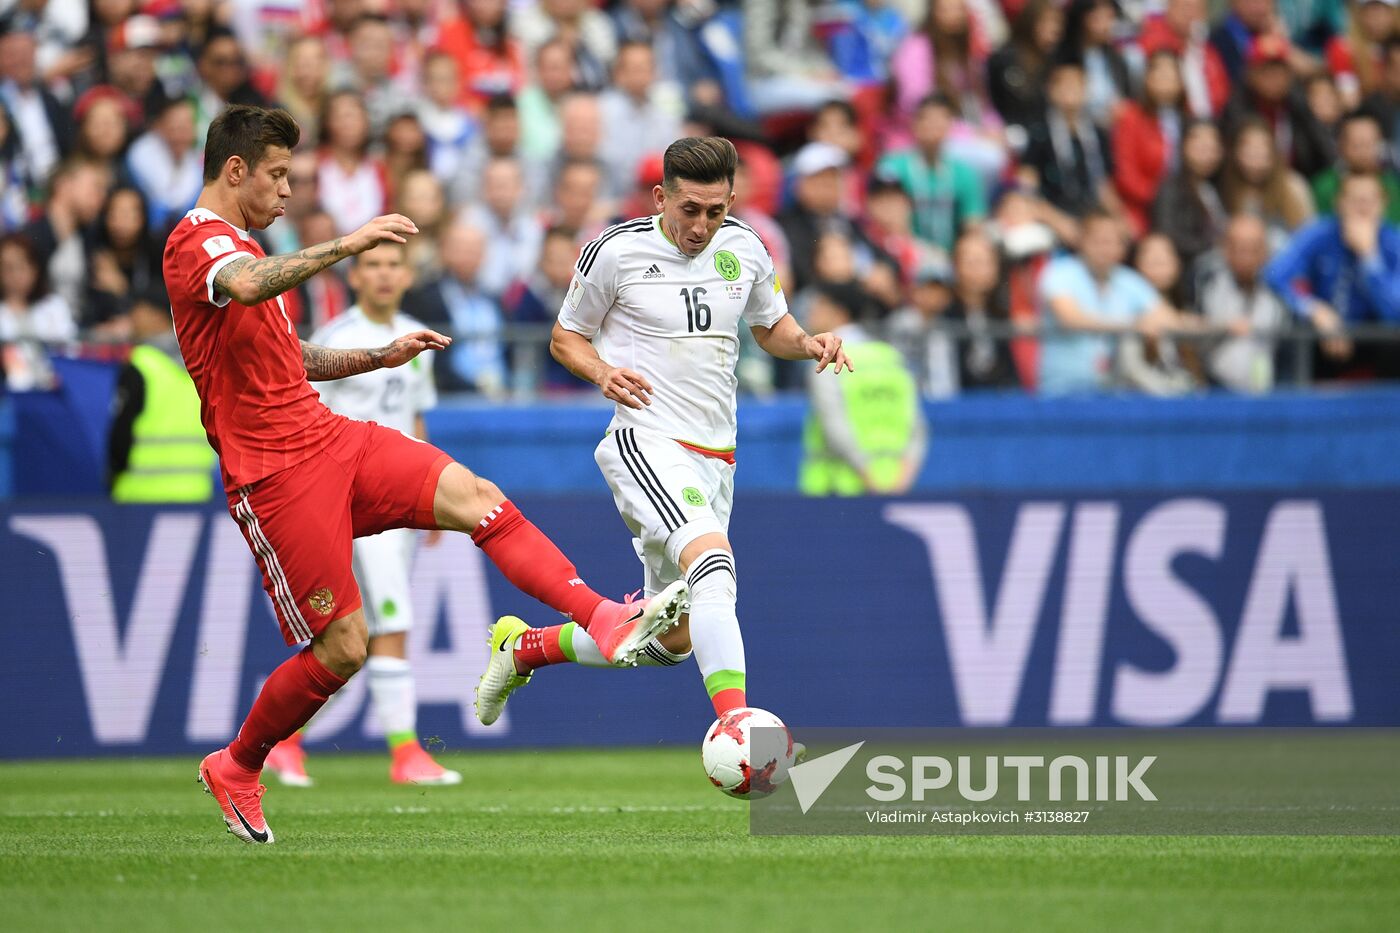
{"points": [[1357, 59], [1181, 30], [489, 59], [301, 481], [1147, 139]]}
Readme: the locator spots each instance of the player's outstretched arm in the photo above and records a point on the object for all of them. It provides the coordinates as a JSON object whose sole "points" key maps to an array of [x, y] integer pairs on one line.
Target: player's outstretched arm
{"points": [[324, 363], [576, 354], [249, 281], [788, 341]]}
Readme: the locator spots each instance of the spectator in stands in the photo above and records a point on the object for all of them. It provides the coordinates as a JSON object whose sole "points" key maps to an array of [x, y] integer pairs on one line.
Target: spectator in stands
{"points": [[861, 38], [104, 117], [15, 178], [405, 148], [490, 60], [748, 210], [917, 329], [836, 122], [1188, 207], [131, 68], [641, 116], [1236, 300], [818, 169], [369, 71], [1268, 92], [1016, 72], [1086, 297], [577, 202], [1091, 37], [499, 138], [1070, 156], [587, 33], [512, 230], [948, 56], [420, 197], [1237, 31], [1344, 270], [31, 316], [353, 184], [1181, 29], [223, 73], [1360, 148], [1160, 365], [125, 261], [305, 82], [786, 69], [167, 163], [536, 300], [1147, 139], [980, 305], [447, 124], [1256, 180], [539, 102], [43, 125], [581, 138], [1384, 102], [948, 193], [889, 223], [670, 28], [836, 260], [62, 235], [476, 360], [1356, 59], [867, 434], [326, 296], [1324, 103]]}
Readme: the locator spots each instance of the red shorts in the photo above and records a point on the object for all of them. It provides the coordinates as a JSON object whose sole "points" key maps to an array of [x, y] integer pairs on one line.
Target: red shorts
{"points": [[301, 522]]}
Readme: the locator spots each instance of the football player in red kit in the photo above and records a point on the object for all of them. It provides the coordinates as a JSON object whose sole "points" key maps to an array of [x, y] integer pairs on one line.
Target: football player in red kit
{"points": [[303, 482]]}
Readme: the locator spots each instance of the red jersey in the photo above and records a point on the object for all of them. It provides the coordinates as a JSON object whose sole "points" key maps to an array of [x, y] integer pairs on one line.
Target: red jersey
{"points": [[259, 410]]}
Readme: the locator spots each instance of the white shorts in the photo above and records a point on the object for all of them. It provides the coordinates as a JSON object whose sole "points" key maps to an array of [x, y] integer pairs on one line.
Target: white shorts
{"points": [[382, 565], [667, 495]]}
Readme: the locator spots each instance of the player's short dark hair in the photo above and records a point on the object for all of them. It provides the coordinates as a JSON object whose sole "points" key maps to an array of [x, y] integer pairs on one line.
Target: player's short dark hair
{"points": [[247, 132], [700, 159]]}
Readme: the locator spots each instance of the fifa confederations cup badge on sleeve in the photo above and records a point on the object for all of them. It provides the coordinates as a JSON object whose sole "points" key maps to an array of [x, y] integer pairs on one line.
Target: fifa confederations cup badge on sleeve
{"points": [[727, 265]]}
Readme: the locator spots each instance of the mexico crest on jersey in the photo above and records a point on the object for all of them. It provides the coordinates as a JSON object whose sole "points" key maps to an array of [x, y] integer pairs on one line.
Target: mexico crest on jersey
{"points": [[727, 265]]}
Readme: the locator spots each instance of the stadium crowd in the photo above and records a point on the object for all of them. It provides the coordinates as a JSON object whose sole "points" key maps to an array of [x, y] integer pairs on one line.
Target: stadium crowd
{"points": [[1062, 197]]}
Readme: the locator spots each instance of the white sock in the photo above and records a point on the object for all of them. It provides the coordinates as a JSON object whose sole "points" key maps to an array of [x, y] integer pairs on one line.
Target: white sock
{"points": [[391, 691], [714, 623]]}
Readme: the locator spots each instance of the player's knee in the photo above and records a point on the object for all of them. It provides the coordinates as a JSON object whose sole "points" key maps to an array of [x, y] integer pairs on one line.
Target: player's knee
{"points": [[343, 645], [711, 577], [463, 499]]}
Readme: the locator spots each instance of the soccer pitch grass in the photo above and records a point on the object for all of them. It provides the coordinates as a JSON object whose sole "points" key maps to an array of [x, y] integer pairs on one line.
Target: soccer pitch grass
{"points": [[635, 839]]}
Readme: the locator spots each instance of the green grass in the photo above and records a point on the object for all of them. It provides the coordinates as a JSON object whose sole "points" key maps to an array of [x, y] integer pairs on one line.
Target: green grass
{"points": [[611, 840]]}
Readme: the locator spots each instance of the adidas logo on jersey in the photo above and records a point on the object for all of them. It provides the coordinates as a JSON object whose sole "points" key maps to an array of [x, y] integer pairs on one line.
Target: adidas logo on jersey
{"points": [[654, 272]]}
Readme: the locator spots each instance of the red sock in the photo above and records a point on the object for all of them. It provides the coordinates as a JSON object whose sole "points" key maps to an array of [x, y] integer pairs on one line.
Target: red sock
{"points": [[532, 563], [290, 697], [539, 647], [726, 700]]}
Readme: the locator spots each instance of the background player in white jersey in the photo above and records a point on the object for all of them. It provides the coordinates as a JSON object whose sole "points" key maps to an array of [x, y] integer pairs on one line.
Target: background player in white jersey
{"points": [[395, 398], [652, 318]]}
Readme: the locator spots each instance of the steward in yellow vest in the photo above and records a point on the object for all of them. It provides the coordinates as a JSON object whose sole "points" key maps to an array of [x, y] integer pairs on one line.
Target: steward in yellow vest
{"points": [[865, 432], [157, 450]]}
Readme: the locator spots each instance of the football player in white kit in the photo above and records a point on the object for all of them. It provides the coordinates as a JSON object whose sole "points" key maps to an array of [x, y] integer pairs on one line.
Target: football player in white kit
{"points": [[395, 398], [652, 318]]}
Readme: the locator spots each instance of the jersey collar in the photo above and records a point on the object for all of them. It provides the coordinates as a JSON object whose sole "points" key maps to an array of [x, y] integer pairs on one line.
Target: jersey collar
{"points": [[204, 213]]}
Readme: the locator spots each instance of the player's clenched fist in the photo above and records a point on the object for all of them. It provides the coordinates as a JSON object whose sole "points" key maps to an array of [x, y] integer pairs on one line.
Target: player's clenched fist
{"points": [[626, 387], [390, 228], [410, 345]]}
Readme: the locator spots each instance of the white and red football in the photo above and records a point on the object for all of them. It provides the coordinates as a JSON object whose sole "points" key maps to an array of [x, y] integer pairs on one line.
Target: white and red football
{"points": [[744, 764]]}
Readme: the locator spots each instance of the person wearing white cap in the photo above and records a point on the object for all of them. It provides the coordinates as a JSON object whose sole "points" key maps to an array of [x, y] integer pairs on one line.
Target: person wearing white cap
{"points": [[818, 169]]}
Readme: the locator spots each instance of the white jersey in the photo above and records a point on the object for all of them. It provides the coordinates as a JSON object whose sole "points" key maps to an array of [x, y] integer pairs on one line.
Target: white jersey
{"points": [[650, 308], [392, 397]]}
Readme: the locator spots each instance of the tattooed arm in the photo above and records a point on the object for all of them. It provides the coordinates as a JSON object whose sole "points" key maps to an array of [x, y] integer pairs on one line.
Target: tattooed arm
{"points": [[249, 281], [326, 363]]}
